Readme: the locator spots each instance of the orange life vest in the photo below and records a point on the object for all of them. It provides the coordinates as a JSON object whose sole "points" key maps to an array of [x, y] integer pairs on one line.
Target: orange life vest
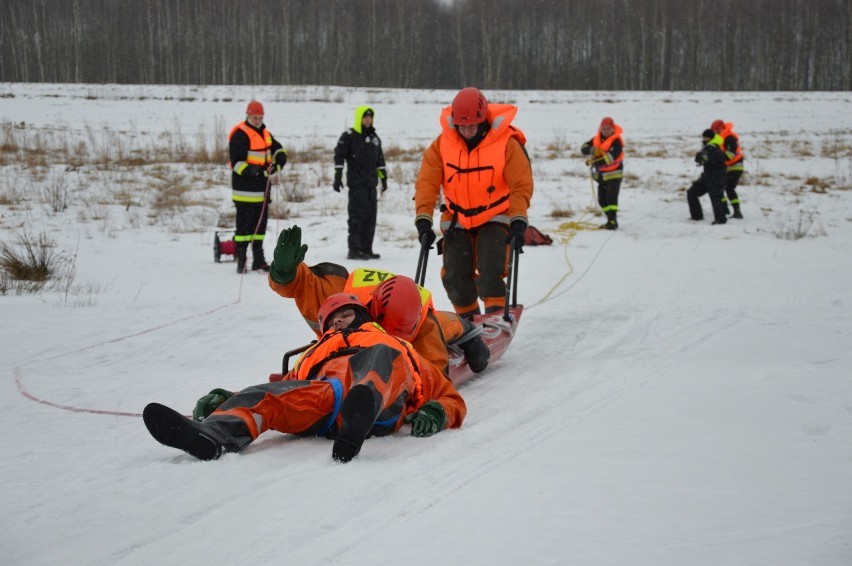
{"points": [[475, 187], [259, 145], [737, 155], [336, 343], [604, 146]]}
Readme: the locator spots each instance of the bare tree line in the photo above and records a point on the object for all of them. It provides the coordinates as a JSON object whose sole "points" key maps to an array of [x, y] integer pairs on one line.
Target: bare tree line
{"points": [[496, 44]]}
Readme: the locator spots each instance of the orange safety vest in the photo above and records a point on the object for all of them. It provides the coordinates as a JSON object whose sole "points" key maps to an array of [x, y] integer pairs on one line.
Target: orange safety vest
{"points": [[259, 146], [738, 154], [336, 343], [604, 146], [475, 187]]}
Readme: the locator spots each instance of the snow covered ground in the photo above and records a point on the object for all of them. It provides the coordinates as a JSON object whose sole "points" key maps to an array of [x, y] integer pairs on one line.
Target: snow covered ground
{"points": [[677, 393]]}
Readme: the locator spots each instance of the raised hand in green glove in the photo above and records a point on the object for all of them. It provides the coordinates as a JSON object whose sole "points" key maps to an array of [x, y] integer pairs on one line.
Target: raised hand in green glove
{"points": [[209, 403], [427, 420], [289, 253]]}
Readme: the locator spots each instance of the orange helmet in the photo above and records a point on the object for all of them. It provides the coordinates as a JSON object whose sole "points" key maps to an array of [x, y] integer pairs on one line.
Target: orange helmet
{"points": [[254, 108], [396, 306], [469, 107], [333, 303], [717, 126]]}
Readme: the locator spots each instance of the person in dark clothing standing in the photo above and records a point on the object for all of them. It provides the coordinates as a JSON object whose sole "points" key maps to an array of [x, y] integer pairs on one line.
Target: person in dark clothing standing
{"points": [[254, 156], [605, 155], [361, 149], [711, 181], [733, 162]]}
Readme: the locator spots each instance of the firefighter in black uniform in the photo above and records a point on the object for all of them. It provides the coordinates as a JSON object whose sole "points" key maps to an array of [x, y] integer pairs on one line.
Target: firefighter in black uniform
{"points": [[361, 149], [254, 156], [711, 181]]}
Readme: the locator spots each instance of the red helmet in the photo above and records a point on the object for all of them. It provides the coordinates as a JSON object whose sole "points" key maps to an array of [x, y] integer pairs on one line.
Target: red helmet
{"points": [[607, 122], [333, 303], [717, 126], [254, 108], [397, 307], [469, 107]]}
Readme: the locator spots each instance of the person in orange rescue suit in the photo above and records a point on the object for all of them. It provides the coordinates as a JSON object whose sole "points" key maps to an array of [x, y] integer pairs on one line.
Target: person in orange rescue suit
{"points": [[356, 381], [480, 163], [403, 308], [605, 157], [254, 156], [734, 163]]}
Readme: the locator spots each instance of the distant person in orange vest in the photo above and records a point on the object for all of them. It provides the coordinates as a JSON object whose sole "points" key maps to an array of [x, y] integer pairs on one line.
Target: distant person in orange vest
{"points": [[734, 163], [480, 163], [356, 381], [605, 156], [254, 156]]}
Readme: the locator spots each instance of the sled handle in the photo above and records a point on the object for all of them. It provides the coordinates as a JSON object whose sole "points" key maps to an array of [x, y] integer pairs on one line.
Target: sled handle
{"points": [[512, 278], [420, 274], [285, 363]]}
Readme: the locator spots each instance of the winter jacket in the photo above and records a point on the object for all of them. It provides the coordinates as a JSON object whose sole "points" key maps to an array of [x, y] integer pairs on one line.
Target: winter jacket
{"points": [[251, 152], [712, 158], [491, 183], [733, 153], [608, 162], [312, 285], [361, 149]]}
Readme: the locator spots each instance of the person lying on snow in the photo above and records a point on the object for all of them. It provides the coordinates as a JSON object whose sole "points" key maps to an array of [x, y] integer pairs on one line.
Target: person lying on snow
{"points": [[356, 381], [403, 308]]}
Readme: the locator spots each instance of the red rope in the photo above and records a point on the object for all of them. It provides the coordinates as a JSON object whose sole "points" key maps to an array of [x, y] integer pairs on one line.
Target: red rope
{"points": [[32, 397]]}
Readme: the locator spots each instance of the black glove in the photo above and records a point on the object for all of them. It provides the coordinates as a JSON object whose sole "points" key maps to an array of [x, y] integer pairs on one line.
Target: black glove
{"points": [[425, 234], [384, 181], [338, 180], [289, 253], [427, 420], [517, 231]]}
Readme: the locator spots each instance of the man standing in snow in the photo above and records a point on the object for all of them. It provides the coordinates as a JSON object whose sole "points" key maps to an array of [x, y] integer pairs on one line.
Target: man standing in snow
{"points": [[734, 163], [361, 149], [480, 164], [605, 156], [712, 180], [254, 156], [356, 381]]}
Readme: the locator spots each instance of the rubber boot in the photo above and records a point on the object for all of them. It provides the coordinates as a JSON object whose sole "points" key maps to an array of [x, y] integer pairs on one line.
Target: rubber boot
{"points": [[358, 414], [257, 259], [475, 350], [737, 213], [611, 222], [242, 252]]}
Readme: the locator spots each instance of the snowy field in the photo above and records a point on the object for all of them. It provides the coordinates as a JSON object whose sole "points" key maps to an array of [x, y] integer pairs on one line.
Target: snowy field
{"points": [[677, 393]]}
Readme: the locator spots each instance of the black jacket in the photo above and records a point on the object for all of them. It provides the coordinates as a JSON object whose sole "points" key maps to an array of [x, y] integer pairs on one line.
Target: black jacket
{"points": [[362, 152]]}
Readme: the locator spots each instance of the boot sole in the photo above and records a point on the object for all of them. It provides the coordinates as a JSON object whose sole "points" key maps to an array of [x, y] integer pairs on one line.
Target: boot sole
{"points": [[174, 430], [358, 414]]}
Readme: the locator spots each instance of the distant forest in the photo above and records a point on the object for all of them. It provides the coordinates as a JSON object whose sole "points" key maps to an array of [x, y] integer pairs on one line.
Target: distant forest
{"points": [[726, 45]]}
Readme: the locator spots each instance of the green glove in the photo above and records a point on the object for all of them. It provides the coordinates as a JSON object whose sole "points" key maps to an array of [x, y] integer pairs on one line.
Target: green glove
{"points": [[427, 420], [289, 253], [210, 403]]}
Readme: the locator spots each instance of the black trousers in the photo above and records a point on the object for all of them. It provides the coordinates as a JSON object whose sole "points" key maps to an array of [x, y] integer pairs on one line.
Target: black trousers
{"points": [[362, 217], [474, 267], [251, 216], [712, 186]]}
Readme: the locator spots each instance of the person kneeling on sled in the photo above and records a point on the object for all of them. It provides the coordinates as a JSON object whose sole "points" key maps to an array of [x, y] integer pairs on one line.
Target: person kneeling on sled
{"points": [[356, 381], [403, 308]]}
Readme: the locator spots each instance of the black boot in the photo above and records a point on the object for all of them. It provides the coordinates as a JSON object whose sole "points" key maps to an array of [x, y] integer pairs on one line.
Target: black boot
{"points": [[611, 223], [358, 414], [475, 350], [737, 213], [242, 252], [169, 427], [257, 259]]}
